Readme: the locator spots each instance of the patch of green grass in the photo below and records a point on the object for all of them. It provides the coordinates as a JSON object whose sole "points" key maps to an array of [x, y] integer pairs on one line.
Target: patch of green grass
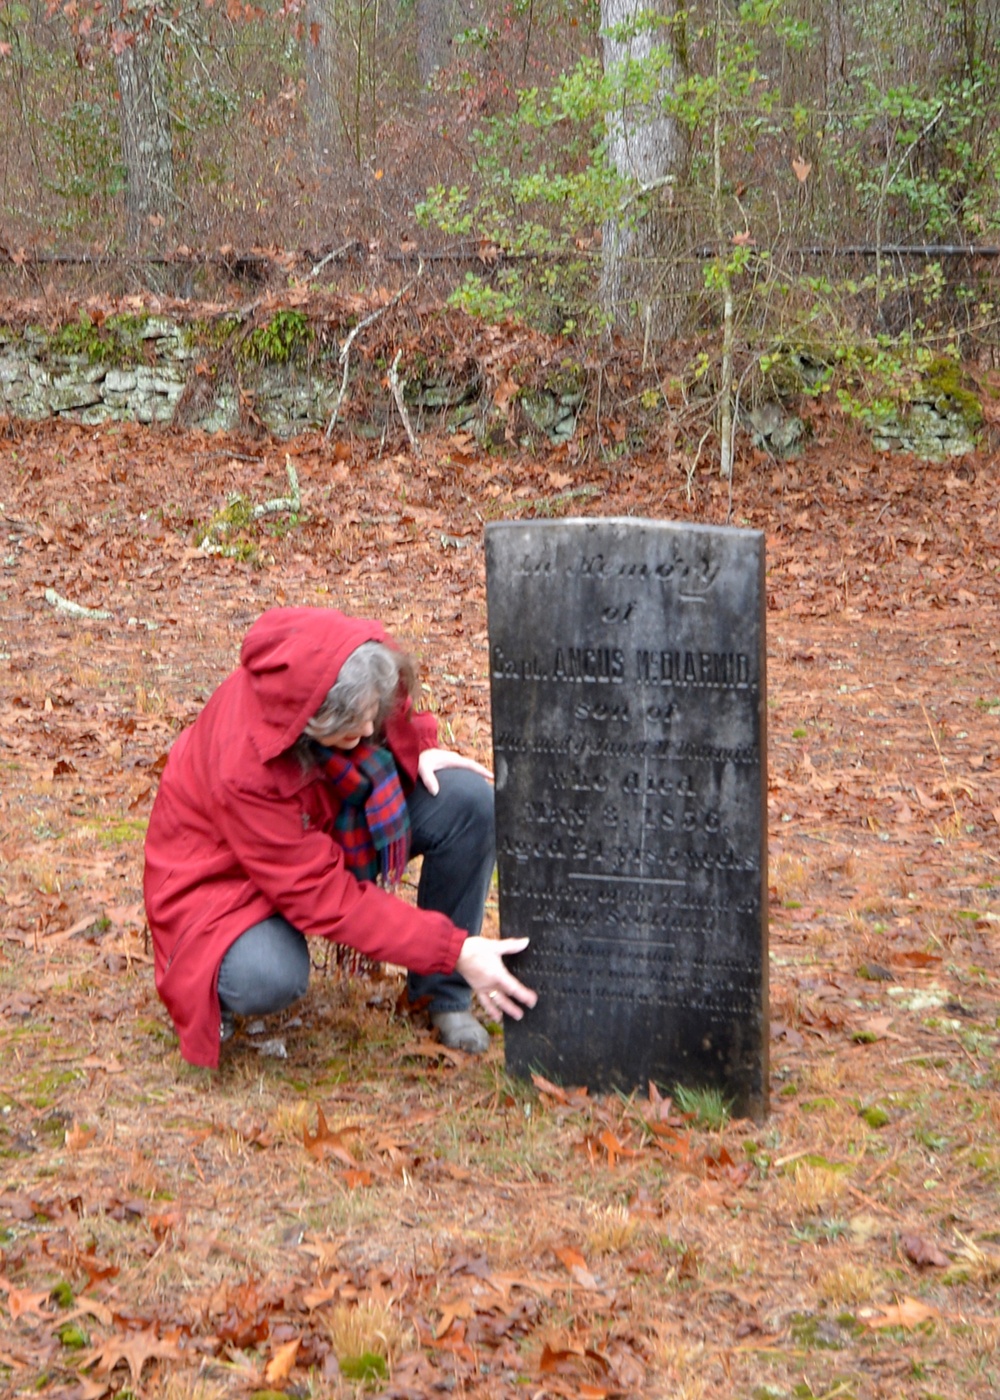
{"points": [[117, 831], [369, 1366], [228, 531], [819, 1105], [157, 1029], [279, 529], [709, 1106], [929, 1138], [813, 1230], [46, 1088], [73, 1337], [874, 1115]]}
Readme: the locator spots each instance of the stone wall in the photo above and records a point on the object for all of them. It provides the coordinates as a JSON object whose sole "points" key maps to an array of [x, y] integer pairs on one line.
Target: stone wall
{"points": [[171, 380], [153, 369]]}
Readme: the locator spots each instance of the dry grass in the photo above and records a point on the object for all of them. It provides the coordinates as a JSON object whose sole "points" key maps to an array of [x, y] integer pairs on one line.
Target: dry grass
{"points": [[788, 877], [807, 1189], [611, 1230], [373, 1325], [850, 1283]]}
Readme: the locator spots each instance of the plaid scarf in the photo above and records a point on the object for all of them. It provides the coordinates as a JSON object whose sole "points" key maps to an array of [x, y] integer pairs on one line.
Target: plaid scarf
{"points": [[372, 826]]}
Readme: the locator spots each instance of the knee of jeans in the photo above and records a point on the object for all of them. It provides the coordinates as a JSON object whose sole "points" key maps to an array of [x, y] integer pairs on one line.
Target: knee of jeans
{"points": [[287, 979], [295, 975], [480, 814]]}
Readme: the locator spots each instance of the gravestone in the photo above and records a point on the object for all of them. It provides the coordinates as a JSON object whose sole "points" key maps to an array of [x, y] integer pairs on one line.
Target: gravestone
{"points": [[627, 664]]}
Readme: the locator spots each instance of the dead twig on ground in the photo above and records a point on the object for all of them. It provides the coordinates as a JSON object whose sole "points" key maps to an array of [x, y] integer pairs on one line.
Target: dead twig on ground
{"points": [[396, 386], [335, 256], [345, 349], [66, 605], [212, 542], [948, 785]]}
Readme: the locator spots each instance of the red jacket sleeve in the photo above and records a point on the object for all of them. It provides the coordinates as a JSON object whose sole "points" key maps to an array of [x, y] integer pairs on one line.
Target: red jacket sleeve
{"points": [[302, 871]]}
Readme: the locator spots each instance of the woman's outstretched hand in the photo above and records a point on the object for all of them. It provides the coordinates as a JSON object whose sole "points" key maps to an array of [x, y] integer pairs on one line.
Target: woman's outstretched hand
{"points": [[431, 761], [481, 964]]}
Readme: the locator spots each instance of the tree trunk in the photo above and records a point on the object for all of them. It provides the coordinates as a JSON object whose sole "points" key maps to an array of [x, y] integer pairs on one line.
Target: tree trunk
{"points": [[326, 130], [146, 137], [642, 284], [438, 21]]}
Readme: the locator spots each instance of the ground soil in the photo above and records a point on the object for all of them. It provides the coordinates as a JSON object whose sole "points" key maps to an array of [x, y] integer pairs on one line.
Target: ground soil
{"points": [[369, 1205]]}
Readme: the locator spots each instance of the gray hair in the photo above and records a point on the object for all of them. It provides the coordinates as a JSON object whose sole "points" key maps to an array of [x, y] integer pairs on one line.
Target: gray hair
{"points": [[373, 674]]}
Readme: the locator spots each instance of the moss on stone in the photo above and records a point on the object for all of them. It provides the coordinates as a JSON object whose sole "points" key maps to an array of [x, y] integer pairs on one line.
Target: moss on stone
{"points": [[285, 337], [943, 384], [116, 341]]}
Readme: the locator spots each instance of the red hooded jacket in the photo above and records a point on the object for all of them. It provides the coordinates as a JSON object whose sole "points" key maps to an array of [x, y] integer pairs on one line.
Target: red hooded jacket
{"points": [[240, 830]]}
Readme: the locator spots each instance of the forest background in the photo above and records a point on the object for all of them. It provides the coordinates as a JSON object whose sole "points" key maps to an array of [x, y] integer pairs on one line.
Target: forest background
{"points": [[677, 215], [808, 175]]}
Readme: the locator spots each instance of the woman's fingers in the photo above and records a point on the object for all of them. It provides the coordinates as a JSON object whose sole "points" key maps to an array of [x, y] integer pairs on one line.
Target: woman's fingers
{"points": [[497, 1001], [432, 761], [481, 964]]}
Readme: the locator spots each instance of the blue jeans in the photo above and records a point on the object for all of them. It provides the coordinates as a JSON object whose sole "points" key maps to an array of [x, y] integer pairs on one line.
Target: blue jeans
{"points": [[267, 968]]}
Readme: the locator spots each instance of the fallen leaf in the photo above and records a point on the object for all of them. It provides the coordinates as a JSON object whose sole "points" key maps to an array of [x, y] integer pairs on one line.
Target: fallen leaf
{"points": [[318, 1297], [326, 1141], [555, 1359], [576, 1266], [79, 1137], [878, 1026], [21, 1302], [929, 804], [570, 1359], [90, 1307], [923, 1252], [280, 1365], [135, 1350], [453, 1170], [458, 1308], [88, 921], [355, 1177], [110, 1066], [689, 1264], [86, 1389], [909, 1313], [165, 1223], [915, 957], [545, 1086], [802, 168], [434, 1050], [325, 1252]]}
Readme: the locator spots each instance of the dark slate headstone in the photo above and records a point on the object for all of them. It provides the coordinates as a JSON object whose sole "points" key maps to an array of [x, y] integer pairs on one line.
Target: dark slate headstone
{"points": [[627, 665]]}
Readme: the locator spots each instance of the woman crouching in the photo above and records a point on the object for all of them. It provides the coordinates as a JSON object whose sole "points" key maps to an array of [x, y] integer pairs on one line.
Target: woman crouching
{"points": [[289, 809]]}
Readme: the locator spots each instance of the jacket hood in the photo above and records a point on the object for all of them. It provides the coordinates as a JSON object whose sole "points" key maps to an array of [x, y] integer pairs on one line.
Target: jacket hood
{"points": [[291, 657]]}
